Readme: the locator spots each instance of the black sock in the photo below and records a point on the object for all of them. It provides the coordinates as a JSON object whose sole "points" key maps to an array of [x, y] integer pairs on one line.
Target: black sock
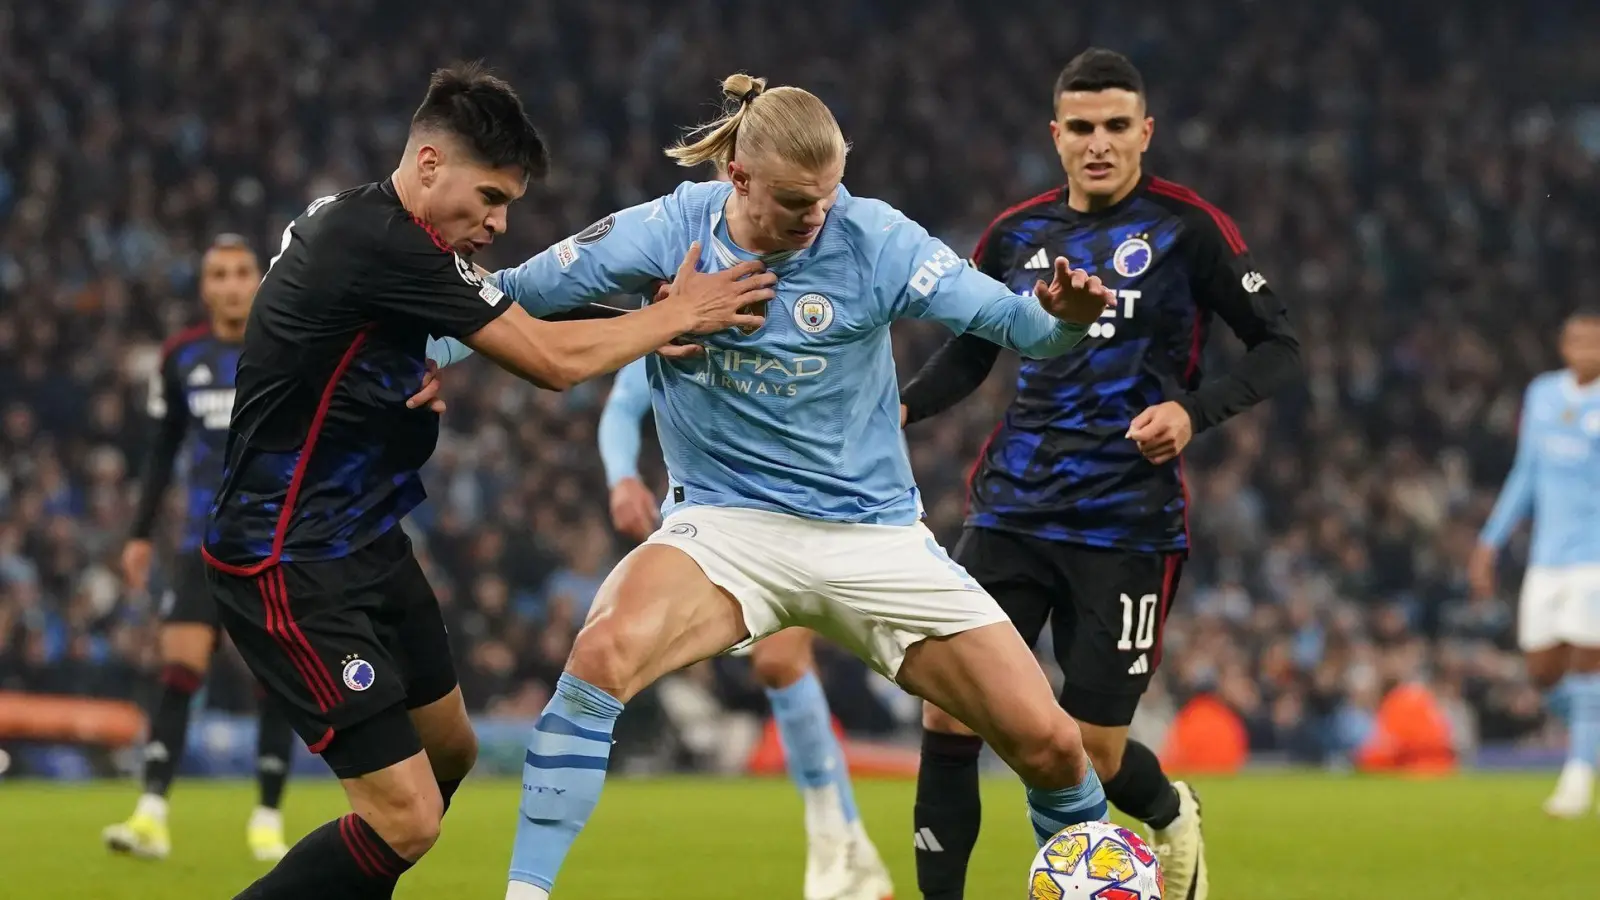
{"points": [[343, 860], [274, 744], [948, 813], [447, 789], [169, 728], [1141, 789]]}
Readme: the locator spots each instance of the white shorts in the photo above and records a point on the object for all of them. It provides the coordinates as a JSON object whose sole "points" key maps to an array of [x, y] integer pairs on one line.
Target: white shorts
{"points": [[873, 589], [1559, 606]]}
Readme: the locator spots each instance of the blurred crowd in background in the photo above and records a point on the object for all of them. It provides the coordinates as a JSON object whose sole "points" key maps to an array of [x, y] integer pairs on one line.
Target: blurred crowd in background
{"points": [[1425, 199]]}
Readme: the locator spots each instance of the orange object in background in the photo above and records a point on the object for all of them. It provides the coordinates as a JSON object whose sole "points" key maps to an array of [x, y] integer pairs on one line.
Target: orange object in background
{"points": [[75, 720], [863, 758], [1206, 737], [1412, 735]]}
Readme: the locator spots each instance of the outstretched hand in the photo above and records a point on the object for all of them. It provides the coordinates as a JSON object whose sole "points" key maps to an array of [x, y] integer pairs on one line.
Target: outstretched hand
{"points": [[1073, 295], [428, 394], [732, 297]]}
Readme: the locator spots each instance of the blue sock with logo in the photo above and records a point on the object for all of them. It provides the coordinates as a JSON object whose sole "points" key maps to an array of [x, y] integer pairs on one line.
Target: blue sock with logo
{"points": [[562, 775], [1054, 810], [1584, 720], [810, 748]]}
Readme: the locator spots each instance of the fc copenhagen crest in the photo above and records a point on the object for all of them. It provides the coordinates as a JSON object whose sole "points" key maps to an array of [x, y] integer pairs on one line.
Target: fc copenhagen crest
{"points": [[813, 313], [1132, 257]]}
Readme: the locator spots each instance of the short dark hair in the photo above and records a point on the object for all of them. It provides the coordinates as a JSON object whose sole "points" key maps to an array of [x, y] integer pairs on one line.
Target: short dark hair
{"points": [[1585, 311], [465, 100], [1098, 69]]}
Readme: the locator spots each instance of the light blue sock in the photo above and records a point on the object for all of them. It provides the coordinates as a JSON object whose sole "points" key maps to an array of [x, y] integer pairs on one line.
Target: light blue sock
{"points": [[1054, 810], [1584, 728], [810, 749], [1558, 700], [561, 778]]}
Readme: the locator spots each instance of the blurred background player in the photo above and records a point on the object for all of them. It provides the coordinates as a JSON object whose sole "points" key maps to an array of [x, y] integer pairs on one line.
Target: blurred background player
{"points": [[1555, 480], [191, 399], [1077, 509], [792, 500], [841, 861]]}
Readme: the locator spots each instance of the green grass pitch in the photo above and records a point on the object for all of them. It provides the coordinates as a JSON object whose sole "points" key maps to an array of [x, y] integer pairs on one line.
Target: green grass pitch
{"points": [[1271, 837]]}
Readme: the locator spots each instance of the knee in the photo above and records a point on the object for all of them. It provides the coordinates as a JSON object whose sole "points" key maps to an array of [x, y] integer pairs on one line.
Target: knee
{"points": [[781, 664], [1051, 757], [938, 721], [607, 655], [409, 823]]}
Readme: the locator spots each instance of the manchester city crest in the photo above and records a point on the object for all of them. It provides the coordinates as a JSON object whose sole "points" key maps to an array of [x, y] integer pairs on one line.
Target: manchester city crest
{"points": [[813, 313]]}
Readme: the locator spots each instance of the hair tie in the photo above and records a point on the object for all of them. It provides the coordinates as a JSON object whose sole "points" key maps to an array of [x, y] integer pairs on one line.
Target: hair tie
{"points": [[750, 96]]}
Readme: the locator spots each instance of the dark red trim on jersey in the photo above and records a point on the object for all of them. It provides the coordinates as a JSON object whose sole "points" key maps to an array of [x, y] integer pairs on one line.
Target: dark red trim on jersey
{"points": [[292, 641], [1196, 348], [972, 470], [433, 235], [1049, 196], [1183, 489], [1230, 231], [1171, 565], [281, 530], [186, 336]]}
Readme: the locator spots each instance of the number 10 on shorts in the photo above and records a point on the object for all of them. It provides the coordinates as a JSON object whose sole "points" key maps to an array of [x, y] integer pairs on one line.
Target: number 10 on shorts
{"points": [[1138, 623]]}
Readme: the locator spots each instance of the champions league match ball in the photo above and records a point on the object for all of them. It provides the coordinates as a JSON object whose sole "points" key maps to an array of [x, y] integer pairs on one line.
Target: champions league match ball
{"points": [[1096, 861]]}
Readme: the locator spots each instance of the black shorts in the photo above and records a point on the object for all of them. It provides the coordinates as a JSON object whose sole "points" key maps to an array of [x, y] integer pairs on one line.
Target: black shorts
{"points": [[188, 600], [1107, 611], [346, 646]]}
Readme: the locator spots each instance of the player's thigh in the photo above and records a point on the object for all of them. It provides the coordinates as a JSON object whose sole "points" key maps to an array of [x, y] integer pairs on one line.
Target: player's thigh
{"points": [[400, 800], [306, 632], [1014, 572], [657, 612], [1121, 601], [783, 658], [987, 678], [446, 733]]}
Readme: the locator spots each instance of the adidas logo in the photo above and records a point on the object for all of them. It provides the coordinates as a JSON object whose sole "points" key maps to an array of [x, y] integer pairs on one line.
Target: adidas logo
{"points": [[926, 841], [1140, 666], [200, 375], [1040, 260]]}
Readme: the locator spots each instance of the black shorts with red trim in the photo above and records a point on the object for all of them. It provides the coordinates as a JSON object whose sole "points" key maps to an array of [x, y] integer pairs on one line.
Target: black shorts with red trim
{"points": [[187, 599], [342, 642], [1107, 611]]}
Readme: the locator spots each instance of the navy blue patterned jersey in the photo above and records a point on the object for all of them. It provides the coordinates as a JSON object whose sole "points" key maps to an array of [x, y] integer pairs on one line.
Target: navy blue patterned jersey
{"points": [[323, 454], [1060, 465], [191, 399]]}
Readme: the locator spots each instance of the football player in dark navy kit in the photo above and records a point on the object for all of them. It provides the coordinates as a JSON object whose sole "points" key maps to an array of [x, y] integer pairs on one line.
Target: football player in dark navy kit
{"points": [[1077, 506], [313, 576], [191, 400]]}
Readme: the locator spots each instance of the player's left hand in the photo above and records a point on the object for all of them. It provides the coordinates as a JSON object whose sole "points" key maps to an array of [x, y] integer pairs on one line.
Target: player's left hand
{"points": [[1162, 431], [429, 394], [1073, 295]]}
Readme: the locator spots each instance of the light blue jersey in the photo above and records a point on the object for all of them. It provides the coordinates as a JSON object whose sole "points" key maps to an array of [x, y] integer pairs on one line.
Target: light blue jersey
{"points": [[801, 416], [1556, 477]]}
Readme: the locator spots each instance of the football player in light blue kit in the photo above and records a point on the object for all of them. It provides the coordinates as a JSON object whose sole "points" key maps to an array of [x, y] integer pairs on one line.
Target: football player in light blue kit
{"points": [[1556, 481], [791, 500], [841, 860]]}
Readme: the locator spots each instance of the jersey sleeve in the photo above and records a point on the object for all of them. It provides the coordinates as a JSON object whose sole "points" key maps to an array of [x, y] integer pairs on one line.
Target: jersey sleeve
{"points": [[620, 422], [1516, 496], [169, 414], [1225, 280], [623, 253], [418, 276], [919, 276]]}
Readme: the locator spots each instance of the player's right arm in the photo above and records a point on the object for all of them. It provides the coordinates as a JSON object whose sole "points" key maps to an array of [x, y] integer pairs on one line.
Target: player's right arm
{"points": [[1510, 508], [634, 510], [170, 414]]}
